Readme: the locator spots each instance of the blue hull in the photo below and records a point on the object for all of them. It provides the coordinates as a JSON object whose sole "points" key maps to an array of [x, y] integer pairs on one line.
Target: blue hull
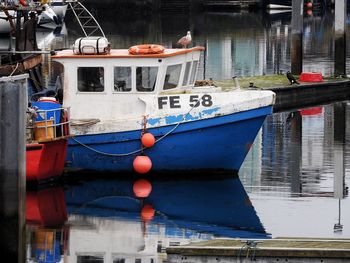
{"points": [[215, 144]]}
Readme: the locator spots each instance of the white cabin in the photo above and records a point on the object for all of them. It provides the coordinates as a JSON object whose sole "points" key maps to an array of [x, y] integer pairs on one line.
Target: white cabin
{"points": [[116, 85]]}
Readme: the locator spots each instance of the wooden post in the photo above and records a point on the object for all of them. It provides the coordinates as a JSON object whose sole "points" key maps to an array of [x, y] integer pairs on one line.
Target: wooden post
{"points": [[296, 52], [13, 105], [340, 38]]}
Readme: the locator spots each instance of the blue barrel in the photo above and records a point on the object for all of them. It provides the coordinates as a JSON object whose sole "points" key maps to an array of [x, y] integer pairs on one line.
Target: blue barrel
{"points": [[52, 108]]}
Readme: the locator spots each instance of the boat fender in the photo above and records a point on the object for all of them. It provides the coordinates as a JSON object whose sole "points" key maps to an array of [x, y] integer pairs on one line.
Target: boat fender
{"points": [[146, 49], [148, 140]]}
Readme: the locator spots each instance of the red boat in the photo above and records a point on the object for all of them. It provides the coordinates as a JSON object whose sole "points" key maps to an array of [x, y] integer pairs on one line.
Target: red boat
{"points": [[45, 159], [47, 140]]}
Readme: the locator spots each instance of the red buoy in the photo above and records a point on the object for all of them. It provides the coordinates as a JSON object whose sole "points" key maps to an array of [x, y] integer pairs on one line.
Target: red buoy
{"points": [[142, 164], [148, 139], [142, 188], [147, 212]]}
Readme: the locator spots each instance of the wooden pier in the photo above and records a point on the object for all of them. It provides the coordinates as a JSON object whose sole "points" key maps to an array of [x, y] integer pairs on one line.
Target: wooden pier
{"points": [[290, 97], [267, 250]]}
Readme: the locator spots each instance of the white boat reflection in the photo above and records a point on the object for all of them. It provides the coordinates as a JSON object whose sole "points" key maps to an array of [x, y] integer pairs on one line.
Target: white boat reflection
{"points": [[108, 223]]}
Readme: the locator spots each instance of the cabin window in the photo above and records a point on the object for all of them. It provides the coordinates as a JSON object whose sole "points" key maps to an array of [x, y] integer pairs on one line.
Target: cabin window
{"points": [[187, 73], [172, 77], [146, 78], [88, 258], [91, 79], [122, 79], [194, 72]]}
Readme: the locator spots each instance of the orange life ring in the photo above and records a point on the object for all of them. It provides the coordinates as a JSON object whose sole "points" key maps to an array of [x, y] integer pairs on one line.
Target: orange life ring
{"points": [[146, 49]]}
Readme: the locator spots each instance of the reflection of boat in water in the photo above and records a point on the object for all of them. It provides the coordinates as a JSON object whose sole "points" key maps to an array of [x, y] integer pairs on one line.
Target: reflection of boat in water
{"points": [[106, 217], [311, 111], [47, 236], [46, 207], [156, 92]]}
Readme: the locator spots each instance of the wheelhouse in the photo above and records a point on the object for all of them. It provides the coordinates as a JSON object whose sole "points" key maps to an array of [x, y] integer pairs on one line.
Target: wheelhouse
{"points": [[118, 78], [119, 72]]}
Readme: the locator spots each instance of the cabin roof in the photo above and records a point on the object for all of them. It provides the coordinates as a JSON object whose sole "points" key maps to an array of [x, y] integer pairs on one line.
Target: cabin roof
{"points": [[124, 53]]}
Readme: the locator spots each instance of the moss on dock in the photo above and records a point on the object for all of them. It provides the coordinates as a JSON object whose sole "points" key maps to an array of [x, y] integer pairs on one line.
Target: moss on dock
{"points": [[263, 82]]}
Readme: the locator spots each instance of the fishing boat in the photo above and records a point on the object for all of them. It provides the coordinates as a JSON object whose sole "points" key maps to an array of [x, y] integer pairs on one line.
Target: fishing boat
{"points": [[53, 14], [116, 96], [47, 134], [278, 4]]}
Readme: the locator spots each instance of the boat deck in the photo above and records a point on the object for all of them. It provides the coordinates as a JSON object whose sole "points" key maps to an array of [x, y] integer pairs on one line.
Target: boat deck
{"points": [[124, 53]]}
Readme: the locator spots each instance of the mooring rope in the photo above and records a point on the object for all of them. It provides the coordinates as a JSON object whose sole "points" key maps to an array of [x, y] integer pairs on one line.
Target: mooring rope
{"points": [[139, 150], [14, 70]]}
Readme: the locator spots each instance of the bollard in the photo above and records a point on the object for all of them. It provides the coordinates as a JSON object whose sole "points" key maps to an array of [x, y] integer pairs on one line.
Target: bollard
{"points": [[13, 104], [296, 51], [340, 38]]}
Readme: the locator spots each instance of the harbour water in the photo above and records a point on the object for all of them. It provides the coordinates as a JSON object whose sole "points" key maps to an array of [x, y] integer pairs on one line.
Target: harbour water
{"points": [[293, 183]]}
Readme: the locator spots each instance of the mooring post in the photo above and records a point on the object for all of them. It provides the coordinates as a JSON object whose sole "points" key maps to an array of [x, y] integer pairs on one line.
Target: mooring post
{"points": [[340, 38], [296, 52], [13, 105]]}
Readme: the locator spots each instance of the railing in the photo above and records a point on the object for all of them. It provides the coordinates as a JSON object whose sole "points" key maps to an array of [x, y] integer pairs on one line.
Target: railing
{"points": [[50, 124]]}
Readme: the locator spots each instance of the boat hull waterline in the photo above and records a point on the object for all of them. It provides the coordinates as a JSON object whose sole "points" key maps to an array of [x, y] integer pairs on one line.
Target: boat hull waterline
{"points": [[214, 144]]}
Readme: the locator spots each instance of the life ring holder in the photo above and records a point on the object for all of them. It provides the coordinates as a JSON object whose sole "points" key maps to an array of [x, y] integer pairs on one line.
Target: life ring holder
{"points": [[146, 49]]}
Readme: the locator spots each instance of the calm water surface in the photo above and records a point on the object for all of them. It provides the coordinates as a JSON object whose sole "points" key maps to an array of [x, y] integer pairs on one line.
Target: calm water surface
{"points": [[294, 181]]}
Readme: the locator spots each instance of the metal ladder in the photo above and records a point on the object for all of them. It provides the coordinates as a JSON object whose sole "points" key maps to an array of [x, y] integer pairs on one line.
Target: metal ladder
{"points": [[86, 20]]}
